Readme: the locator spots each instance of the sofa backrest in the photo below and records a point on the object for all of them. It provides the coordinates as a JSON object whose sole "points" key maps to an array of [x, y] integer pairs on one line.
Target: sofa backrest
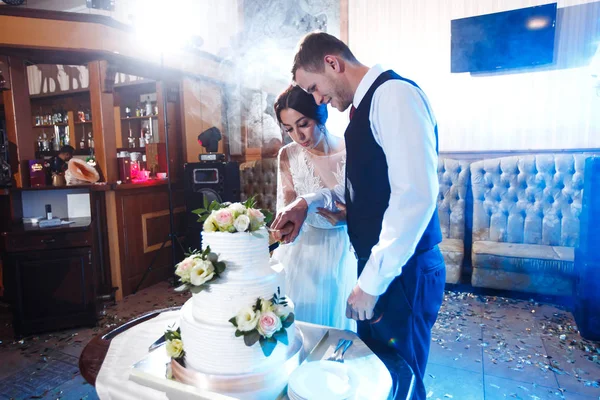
{"points": [[531, 199], [453, 177], [259, 179]]}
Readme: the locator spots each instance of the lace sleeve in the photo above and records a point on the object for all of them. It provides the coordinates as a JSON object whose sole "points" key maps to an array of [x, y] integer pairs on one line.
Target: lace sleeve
{"points": [[285, 183]]}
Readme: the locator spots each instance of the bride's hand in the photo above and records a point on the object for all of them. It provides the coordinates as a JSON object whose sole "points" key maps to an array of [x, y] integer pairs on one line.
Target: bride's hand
{"points": [[334, 217]]}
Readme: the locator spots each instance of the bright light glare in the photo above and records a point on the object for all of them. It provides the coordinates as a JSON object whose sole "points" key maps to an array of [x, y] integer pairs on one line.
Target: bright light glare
{"points": [[165, 26], [535, 23]]}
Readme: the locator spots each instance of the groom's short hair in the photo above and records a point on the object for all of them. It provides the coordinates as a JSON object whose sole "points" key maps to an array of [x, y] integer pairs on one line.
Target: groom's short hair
{"points": [[313, 48]]}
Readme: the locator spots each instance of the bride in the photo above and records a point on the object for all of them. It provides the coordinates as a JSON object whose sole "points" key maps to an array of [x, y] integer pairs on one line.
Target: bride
{"points": [[320, 268]]}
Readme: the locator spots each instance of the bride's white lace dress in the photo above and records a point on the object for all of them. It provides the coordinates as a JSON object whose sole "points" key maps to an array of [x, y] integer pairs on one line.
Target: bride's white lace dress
{"points": [[320, 268]]}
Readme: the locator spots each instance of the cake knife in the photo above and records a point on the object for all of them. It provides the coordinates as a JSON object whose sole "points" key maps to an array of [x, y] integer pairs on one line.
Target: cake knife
{"points": [[319, 344], [156, 344]]}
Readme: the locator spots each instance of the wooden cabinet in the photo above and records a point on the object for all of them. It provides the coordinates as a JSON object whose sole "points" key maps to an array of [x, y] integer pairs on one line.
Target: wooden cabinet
{"points": [[50, 280]]}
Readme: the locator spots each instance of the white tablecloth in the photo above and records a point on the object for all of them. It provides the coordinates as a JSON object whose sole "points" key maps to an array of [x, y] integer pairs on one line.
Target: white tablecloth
{"points": [[131, 346]]}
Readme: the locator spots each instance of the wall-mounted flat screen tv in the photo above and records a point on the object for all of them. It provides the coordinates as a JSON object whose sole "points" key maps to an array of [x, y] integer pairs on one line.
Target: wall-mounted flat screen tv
{"points": [[505, 40]]}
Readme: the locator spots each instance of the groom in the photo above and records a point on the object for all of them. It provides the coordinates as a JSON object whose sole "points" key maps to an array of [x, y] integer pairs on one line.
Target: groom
{"points": [[390, 195]]}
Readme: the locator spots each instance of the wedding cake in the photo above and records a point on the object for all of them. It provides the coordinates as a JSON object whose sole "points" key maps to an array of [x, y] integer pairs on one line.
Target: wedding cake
{"points": [[237, 322]]}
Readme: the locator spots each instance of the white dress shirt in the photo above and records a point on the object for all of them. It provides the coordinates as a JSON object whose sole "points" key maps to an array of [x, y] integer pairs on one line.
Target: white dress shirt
{"points": [[403, 125]]}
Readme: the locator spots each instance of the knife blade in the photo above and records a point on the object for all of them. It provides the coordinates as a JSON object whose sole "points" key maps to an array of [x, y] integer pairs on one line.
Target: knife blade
{"points": [[319, 344], [157, 343]]}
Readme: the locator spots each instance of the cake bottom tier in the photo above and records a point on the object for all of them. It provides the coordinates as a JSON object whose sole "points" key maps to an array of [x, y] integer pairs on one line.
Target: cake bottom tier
{"points": [[214, 349]]}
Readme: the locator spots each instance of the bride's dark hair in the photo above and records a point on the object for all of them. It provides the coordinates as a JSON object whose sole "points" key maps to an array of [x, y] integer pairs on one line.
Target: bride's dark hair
{"points": [[296, 98]]}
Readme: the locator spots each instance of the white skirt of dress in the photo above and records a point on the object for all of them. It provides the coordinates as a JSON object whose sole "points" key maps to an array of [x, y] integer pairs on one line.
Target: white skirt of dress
{"points": [[320, 272]]}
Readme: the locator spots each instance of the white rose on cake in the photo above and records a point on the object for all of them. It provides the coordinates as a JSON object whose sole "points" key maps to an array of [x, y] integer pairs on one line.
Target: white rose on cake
{"points": [[237, 209], [242, 223], [247, 319], [202, 272], [174, 348], [210, 225], [283, 311], [268, 324]]}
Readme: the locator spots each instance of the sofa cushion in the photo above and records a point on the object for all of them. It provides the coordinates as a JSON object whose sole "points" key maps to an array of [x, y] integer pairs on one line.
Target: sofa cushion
{"points": [[524, 258], [532, 199], [453, 251]]}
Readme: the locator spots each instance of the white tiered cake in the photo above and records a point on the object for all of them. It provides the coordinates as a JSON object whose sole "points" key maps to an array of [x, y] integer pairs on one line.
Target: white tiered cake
{"points": [[211, 346]]}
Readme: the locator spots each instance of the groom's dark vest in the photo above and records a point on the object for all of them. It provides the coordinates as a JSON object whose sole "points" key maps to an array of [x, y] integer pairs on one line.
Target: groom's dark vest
{"points": [[367, 184]]}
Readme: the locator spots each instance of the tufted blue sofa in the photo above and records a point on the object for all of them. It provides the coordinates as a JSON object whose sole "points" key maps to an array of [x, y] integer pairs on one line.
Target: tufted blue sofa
{"points": [[526, 222]]}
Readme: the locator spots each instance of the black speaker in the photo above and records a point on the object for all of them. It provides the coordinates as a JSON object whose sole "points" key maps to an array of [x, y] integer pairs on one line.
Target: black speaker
{"points": [[587, 258], [218, 181]]}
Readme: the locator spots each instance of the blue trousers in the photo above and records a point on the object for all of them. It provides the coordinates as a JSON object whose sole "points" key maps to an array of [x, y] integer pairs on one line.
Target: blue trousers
{"points": [[404, 316]]}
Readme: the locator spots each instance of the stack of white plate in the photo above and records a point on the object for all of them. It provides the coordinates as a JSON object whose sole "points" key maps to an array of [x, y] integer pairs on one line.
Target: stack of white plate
{"points": [[323, 379]]}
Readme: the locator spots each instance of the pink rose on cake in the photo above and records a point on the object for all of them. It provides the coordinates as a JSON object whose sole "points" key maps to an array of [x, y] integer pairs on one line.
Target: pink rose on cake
{"points": [[257, 218], [224, 219], [268, 324], [184, 268]]}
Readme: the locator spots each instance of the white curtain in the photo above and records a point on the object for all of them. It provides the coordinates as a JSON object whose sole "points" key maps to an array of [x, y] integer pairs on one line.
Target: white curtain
{"points": [[553, 108]]}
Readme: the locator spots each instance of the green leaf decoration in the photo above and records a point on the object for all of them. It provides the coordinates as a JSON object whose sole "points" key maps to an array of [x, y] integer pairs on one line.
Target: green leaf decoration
{"points": [[212, 257], [199, 211], [196, 289], [238, 333], [251, 338], [268, 216], [250, 202], [219, 267], [281, 336], [257, 305], [233, 321], [288, 321], [205, 202], [268, 345]]}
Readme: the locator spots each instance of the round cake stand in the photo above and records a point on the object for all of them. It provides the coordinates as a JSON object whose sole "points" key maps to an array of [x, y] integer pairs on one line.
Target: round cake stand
{"points": [[267, 384]]}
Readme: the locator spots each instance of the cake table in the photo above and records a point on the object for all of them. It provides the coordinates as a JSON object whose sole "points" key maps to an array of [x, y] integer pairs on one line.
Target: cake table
{"points": [[116, 378]]}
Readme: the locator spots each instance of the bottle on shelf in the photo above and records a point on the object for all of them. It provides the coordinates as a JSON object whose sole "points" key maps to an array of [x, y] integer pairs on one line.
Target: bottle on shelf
{"points": [[138, 110], [127, 112], [82, 142], [90, 140], [131, 139], [148, 107], [155, 110]]}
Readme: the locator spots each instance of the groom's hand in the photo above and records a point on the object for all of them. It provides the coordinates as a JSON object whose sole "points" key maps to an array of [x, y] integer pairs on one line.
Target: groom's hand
{"points": [[360, 305], [295, 214]]}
